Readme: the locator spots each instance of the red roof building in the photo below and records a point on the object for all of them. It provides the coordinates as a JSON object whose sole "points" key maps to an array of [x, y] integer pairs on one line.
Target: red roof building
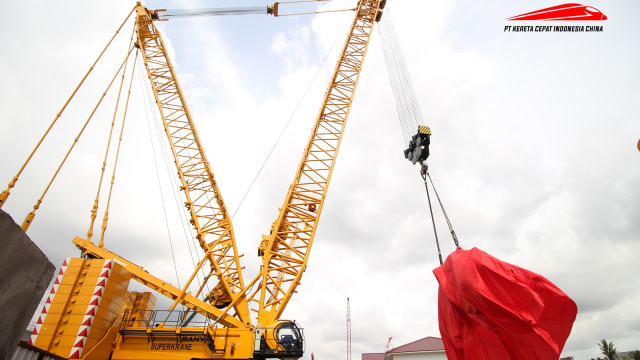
{"points": [[373, 356], [429, 348]]}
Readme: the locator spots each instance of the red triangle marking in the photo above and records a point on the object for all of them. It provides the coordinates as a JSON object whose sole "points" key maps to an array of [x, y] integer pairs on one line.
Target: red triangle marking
{"points": [[30, 342], [35, 331], [105, 274], [48, 300], [39, 320], [79, 344], [44, 310], [102, 283], [65, 263], [88, 321], [95, 302], [75, 355], [84, 332], [57, 281], [60, 272], [53, 290], [98, 292], [108, 264], [91, 312]]}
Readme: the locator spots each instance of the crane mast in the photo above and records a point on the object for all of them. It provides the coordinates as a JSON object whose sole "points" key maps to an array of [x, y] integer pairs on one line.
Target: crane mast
{"points": [[136, 332], [209, 215], [285, 250]]}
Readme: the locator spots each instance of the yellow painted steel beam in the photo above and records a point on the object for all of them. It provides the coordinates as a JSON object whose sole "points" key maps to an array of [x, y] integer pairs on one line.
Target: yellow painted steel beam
{"points": [[286, 250], [209, 215], [166, 289]]}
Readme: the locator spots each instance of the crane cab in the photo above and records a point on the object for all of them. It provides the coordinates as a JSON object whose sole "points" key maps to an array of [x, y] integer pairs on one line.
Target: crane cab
{"points": [[283, 339]]}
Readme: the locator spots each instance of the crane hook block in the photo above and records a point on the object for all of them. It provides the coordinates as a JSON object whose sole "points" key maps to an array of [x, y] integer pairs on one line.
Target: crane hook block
{"points": [[418, 150]]}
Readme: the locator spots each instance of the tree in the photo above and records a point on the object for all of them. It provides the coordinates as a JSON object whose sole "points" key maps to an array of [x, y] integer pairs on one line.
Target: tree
{"points": [[634, 355], [608, 349]]}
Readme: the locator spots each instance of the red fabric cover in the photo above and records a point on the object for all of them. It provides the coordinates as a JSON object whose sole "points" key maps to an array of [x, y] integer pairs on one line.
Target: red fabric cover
{"points": [[489, 309]]}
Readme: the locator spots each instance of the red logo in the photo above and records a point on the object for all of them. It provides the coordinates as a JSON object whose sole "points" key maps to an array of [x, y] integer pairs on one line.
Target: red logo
{"points": [[573, 12]]}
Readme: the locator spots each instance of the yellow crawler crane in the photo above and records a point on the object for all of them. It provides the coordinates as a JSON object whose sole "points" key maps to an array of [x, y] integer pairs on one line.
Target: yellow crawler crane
{"points": [[130, 327]]}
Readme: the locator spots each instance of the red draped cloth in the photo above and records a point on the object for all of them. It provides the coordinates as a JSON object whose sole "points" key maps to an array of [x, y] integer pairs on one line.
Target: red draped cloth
{"points": [[489, 309]]}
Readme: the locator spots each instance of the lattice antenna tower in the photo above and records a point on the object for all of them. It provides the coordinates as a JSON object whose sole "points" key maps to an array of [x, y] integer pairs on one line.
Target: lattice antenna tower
{"points": [[348, 331]]}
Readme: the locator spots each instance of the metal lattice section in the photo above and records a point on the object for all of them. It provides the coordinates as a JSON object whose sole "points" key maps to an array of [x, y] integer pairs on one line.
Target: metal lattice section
{"points": [[286, 249], [208, 213]]}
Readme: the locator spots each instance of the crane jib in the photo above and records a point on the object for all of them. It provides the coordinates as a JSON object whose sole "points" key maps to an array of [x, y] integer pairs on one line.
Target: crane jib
{"points": [[286, 249], [209, 216]]}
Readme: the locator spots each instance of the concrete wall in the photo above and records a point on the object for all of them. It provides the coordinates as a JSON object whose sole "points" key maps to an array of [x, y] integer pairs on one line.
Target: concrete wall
{"points": [[25, 273]]}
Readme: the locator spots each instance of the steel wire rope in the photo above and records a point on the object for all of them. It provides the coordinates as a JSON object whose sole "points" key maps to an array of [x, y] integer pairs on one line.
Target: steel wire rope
{"points": [[404, 94], [408, 111], [94, 209], [393, 69], [29, 218], [5, 193], [117, 156], [295, 110], [413, 107], [143, 85], [190, 232], [453, 233], [187, 231], [423, 173]]}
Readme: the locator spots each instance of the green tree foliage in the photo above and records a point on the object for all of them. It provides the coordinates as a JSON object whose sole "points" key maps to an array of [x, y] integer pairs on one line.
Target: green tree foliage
{"points": [[608, 349], [634, 355]]}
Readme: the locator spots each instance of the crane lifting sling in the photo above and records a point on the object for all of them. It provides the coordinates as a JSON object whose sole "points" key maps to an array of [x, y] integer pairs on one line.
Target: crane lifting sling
{"points": [[487, 309]]}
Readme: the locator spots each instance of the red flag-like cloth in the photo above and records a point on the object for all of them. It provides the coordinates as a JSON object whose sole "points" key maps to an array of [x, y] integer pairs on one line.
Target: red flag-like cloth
{"points": [[489, 309]]}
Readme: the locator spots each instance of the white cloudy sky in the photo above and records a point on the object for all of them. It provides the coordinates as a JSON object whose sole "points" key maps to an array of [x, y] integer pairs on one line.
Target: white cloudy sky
{"points": [[534, 153]]}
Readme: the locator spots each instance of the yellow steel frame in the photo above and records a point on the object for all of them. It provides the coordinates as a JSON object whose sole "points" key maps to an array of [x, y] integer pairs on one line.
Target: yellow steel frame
{"points": [[209, 215], [286, 250], [144, 277]]}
